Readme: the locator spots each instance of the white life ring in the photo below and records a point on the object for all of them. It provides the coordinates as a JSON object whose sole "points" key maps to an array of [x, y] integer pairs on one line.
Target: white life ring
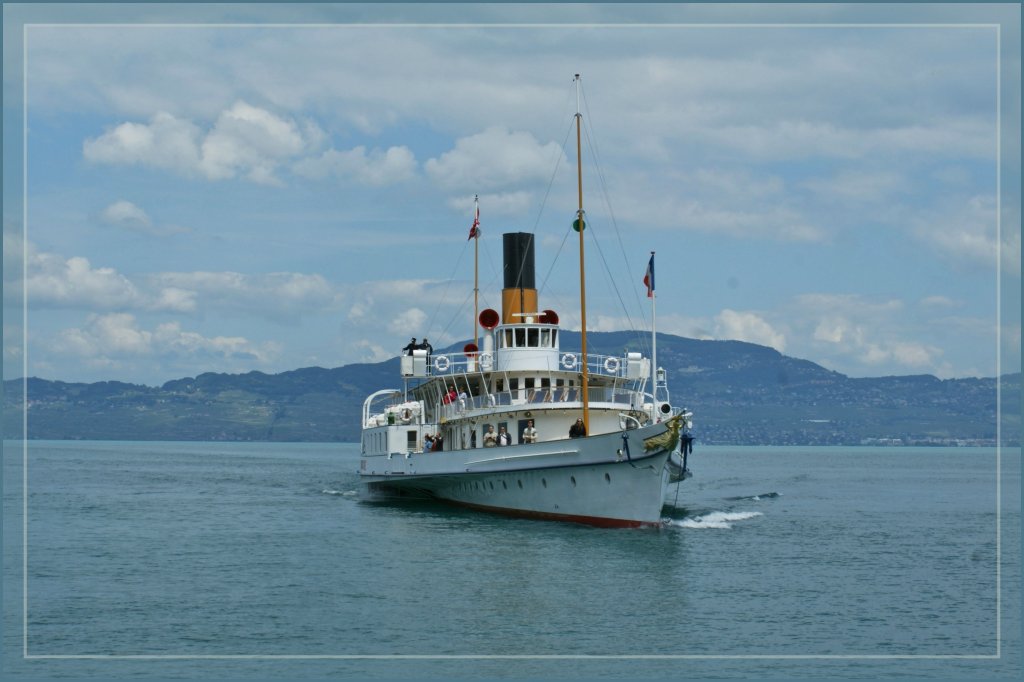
{"points": [[569, 361], [611, 365], [486, 360], [441, 363], [406, 414]]}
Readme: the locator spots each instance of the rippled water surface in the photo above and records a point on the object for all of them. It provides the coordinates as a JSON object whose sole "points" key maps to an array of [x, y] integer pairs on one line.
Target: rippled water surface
{"points": [[206, 561]]}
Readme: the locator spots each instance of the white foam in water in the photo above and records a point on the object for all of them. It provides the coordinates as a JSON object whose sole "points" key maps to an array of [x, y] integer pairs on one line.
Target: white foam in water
{"points": [[339, 492], [714, 520]]}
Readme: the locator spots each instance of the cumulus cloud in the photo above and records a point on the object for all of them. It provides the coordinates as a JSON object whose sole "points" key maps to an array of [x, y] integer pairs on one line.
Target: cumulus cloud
{"points": [[499, 204], [126, 215], [495, 158], [277, 295], [245, 141], [750, 327], [57, 282], [966, 234], [376, 168], [165, 142], [107, 339], [54, 281], [410, 318], [716, 200], [871, 332]]}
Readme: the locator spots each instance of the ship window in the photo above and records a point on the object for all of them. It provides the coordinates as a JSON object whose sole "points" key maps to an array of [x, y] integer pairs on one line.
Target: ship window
{"points": [[520, 482], [572, 479], [532, 336], [559, 382], [513, 384], [508, 338], [520, 338], [504, 485], [499, 385], [545, 383], [554, 338], [410, 440], [545, 338], [544, 482], [607, 478]]}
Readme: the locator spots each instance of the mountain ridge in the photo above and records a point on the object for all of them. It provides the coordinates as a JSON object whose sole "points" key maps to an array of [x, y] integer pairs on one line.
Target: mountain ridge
{"points": [[741, 393]]}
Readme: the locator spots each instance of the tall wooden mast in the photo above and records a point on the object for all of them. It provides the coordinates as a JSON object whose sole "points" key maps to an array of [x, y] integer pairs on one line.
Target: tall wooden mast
{"points": [[579, 225], [476, 271]]}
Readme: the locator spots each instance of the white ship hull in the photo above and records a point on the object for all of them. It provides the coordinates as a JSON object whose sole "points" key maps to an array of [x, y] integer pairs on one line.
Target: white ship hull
{"points": [[601, 480]]}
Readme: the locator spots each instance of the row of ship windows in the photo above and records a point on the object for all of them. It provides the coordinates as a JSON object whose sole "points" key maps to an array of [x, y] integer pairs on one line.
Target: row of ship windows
{"points": [[528, 337], [477, 485]]}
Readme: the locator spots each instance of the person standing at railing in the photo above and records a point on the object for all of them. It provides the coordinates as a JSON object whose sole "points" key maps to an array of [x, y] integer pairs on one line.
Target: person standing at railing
{"points": [[490, 438], [503, 437], [529, 433], [578, 430]]}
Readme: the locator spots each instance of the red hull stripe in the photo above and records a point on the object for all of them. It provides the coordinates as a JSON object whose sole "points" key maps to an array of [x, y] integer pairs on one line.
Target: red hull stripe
{"points": [[599, 521]]}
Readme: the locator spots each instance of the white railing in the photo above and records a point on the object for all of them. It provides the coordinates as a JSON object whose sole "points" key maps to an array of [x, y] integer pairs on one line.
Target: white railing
{"points": [[450, 364], [540, 397]]}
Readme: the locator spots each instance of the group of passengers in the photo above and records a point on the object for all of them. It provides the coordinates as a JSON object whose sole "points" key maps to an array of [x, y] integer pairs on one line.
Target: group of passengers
{"points": [[433, 443], [503, 438], [412, 345]]}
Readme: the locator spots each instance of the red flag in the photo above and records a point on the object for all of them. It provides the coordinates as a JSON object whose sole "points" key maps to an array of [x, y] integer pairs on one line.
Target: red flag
{"points": [[475, 230], [649, 277]]}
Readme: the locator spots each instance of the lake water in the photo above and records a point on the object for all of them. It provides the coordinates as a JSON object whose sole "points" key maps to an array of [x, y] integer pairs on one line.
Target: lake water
{"points": [[257, 561]]}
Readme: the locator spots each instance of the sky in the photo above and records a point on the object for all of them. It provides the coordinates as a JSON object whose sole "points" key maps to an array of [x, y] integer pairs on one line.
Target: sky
{"points": [[267, 187]]}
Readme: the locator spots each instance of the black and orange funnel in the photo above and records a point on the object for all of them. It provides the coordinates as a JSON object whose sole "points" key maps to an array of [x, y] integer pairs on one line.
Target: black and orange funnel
{"points": [[519, 297]]}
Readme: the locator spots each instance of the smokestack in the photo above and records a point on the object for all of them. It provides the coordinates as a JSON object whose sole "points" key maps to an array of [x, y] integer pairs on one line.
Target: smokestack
{"points": [[520, 292]]}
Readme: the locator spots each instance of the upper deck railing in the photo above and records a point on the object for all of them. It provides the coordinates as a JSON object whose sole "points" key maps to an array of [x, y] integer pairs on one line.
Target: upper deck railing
{"points": [[631, 366]]}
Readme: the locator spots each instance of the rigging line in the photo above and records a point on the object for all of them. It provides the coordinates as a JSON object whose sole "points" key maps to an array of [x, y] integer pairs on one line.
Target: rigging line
{"points": [[482, 294], [448, 284], [605, 194], [611, 278], [566, 106], [568, 231], [458, 313]]}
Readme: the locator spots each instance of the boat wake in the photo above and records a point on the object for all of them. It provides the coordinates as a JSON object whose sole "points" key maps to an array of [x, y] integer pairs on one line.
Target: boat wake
{"points": [[346, 493], [754, 498], [718, 519]]}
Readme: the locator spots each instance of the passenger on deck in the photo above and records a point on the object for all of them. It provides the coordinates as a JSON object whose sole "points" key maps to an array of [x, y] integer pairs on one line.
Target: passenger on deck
{"points": [[426, 346], [438, 443], [577, 430], [503, 437], [490, 438], [411, 347], [529, 433], [428, 443]]}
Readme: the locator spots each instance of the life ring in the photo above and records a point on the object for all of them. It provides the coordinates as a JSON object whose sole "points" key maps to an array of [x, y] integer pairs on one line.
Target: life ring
{"points": [[441, 363], [569, 361], [406, 414], [611, 365], [486, 360]]}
